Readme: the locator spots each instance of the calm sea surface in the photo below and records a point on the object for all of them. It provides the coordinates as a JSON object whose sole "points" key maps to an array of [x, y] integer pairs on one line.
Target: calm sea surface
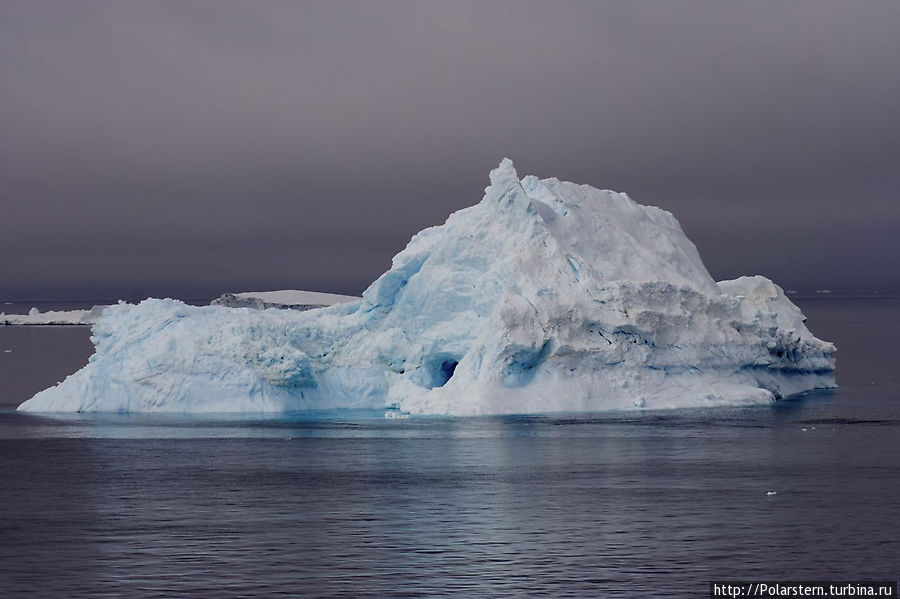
{"points": [[353, 505]]}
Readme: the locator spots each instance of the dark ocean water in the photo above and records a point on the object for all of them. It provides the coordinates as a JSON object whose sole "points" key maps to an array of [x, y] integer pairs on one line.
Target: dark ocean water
{"points": [[352, 505]]}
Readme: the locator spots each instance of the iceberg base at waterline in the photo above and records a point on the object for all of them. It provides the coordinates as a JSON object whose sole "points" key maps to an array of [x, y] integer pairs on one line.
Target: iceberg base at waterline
{"points": [[545, 296]]}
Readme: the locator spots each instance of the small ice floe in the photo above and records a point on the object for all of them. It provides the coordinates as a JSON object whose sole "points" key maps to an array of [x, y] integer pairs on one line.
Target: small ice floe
{"points": [[770, 493], [53, 317]]}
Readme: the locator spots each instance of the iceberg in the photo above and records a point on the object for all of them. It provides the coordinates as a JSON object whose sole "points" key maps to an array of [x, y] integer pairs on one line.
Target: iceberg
{"points": [[53, 317], [545, 296], [287, 299]]}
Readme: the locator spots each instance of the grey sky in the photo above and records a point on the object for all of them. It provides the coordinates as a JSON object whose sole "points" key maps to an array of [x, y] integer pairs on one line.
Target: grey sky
{"points": [[191, 148]]}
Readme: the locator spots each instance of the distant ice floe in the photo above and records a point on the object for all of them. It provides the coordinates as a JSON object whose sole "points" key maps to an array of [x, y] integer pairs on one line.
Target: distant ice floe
{"points": [[53, 317], [545, 296], [286, 298]]}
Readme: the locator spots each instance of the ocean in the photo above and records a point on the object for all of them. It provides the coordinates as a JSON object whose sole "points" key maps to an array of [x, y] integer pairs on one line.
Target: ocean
{"points": [[349, 504]]}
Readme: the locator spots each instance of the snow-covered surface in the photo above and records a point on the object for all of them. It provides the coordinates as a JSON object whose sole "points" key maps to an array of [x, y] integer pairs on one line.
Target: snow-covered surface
{"points": [[545, 296], [294, 297], [54, 317], [285, 298]]}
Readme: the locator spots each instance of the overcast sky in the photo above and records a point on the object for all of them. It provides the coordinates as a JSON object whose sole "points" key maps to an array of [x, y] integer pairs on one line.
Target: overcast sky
{"points": [[192, 148]]}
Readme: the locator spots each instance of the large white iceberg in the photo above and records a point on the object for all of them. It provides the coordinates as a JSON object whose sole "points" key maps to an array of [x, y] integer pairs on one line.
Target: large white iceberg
{"points": [[545, 296]]}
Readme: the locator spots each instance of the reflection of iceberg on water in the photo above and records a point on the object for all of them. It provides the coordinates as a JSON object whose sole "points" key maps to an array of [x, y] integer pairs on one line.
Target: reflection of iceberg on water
{"points": [[545, 296]]}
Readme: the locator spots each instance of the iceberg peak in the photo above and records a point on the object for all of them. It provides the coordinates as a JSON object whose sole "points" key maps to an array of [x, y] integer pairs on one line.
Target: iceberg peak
{"points": [[504, 176], [575, 299], [505, 187]]}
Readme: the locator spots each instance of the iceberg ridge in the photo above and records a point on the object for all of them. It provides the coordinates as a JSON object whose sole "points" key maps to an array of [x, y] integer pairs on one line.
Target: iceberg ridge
{"points": [[545, 296]]}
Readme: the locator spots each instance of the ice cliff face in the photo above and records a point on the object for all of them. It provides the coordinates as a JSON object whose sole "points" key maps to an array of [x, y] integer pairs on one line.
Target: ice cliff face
{"points": [[545, 296]]}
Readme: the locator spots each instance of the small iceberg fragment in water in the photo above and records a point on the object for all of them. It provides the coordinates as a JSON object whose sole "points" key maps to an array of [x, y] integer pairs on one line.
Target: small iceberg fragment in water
{"points": [[53, 317], [285, 299], [545, 296]]}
